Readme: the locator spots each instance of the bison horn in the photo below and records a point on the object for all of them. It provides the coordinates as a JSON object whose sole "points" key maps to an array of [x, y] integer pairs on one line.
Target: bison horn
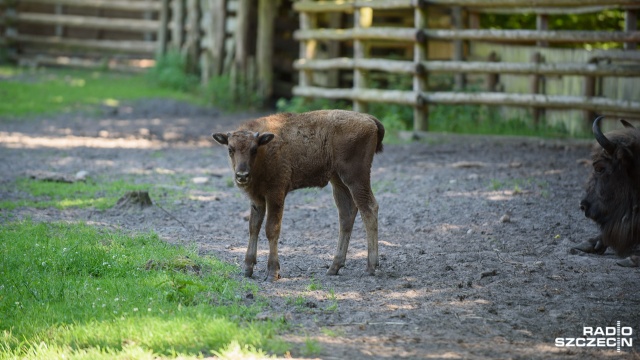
{"points": [[606, 144], [627, 124]]}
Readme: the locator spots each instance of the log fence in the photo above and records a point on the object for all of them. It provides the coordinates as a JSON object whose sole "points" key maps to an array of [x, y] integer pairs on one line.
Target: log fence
{"points": [[421, 67]]}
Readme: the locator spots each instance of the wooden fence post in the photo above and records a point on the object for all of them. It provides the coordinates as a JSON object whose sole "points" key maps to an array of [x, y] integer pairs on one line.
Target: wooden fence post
{"points": [[177, 32], [11, 31], [161, 39], [458, 47], [307, 49], [493, 79], [630, 24], [421, 110], [360, 51], [191, 47], [264, 48], [542, 23], [537, 87], [589, 91]]}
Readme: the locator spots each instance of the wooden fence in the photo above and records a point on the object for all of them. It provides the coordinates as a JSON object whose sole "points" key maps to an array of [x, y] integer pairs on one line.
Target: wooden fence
{"points": [[56, 32], [619, 64], [250, 40]]}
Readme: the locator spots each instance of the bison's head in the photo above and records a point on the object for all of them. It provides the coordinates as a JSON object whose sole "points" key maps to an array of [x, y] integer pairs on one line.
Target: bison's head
{"points": [[613, 190], [243, 150]]}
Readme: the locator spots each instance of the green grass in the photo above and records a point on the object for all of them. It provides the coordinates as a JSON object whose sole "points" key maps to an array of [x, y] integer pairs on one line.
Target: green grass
{"points": [[98, 193], [47, 91], [74, 291]]}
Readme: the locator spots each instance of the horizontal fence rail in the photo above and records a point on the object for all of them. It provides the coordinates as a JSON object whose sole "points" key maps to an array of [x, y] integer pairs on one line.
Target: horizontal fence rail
{"points": [[598, 65], [409, 67], [117, 34]]}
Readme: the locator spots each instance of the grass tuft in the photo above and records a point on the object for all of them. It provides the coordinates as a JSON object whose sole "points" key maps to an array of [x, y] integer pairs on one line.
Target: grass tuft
{"points": [[74, 291]]}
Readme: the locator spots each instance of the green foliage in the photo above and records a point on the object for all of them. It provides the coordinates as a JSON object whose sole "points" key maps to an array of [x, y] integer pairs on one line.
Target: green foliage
{"points": [[92, 193], [227, 94], [314, 285], [74, 291], [481, 119], [46, 91], [170, 71], [608, 20]]}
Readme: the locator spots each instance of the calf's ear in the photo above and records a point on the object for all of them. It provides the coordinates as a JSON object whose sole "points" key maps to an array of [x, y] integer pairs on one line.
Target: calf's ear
{"points": [[220, 138], [265, 138]]}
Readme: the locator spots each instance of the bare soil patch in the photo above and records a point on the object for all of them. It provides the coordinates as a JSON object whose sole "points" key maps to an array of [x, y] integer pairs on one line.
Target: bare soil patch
{"points": [[475, 234]]}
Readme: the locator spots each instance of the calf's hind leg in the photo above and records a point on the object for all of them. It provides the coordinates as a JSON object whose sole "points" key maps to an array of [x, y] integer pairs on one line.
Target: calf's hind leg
{"points": [[368, 206], [347, 212]]}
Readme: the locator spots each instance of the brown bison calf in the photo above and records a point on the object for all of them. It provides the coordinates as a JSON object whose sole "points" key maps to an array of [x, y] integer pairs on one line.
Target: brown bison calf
{"points": [[274, 155], [613, 192]]}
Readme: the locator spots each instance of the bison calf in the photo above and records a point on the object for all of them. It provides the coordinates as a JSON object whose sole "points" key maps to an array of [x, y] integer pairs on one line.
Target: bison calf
{"points": [[274, 155], [612, 199]]}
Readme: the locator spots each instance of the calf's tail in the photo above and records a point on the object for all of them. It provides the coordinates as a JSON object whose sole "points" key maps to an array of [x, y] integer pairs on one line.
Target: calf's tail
{"points": [[379, 146]]}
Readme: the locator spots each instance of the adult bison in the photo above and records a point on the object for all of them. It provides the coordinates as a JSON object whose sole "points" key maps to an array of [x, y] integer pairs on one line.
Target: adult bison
{"points": [[612, 198], [274, 155]]}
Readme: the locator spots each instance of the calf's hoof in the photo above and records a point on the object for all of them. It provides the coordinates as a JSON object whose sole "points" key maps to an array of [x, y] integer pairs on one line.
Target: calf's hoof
{"points": [[333, 270], [271, 277], [371, 270], [248, 271], [589, 247], [632, 262]]}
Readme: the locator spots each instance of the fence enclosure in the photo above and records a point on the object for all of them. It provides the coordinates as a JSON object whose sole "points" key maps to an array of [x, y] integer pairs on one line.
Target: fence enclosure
{"points": [[513, 68], [411, 52], [218, 37]]}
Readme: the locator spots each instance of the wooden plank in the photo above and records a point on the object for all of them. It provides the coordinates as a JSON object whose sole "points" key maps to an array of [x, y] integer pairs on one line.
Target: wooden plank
{"points": [[350, 6], [92, 22], [365, 95], [307, 48], [630, 24], [541, 10], [372, 33], [597, 104], [407, 34], [565, 36], [241, 36], [217, 33], [132, 46], [161, 40], [80, 63], [458, 47], [420, 80], [154, 5], [391, 66], [177, 24], [360, 52], [531, 3], [264, 47], [471, 67], [339, 6]]}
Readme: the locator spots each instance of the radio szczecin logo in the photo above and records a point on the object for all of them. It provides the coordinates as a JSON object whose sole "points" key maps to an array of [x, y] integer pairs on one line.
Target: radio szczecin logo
{"points": [[609, 337]]}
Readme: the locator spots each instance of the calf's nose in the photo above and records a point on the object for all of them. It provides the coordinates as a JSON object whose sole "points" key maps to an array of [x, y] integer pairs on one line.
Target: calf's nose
{"points": [[242, 177], [584, 207]]}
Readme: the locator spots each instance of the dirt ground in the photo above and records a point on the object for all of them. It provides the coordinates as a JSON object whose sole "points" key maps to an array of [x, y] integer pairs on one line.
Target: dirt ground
{"points": [[475, 234]]}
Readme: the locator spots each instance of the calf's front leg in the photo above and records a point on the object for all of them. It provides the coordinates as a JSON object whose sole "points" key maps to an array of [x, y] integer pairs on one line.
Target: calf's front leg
{"points": [[258, 210], [275, 208]]}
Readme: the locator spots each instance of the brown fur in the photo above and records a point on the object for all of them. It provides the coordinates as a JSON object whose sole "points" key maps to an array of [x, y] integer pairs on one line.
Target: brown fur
{"points": [[307, 150], [612, 198]]}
